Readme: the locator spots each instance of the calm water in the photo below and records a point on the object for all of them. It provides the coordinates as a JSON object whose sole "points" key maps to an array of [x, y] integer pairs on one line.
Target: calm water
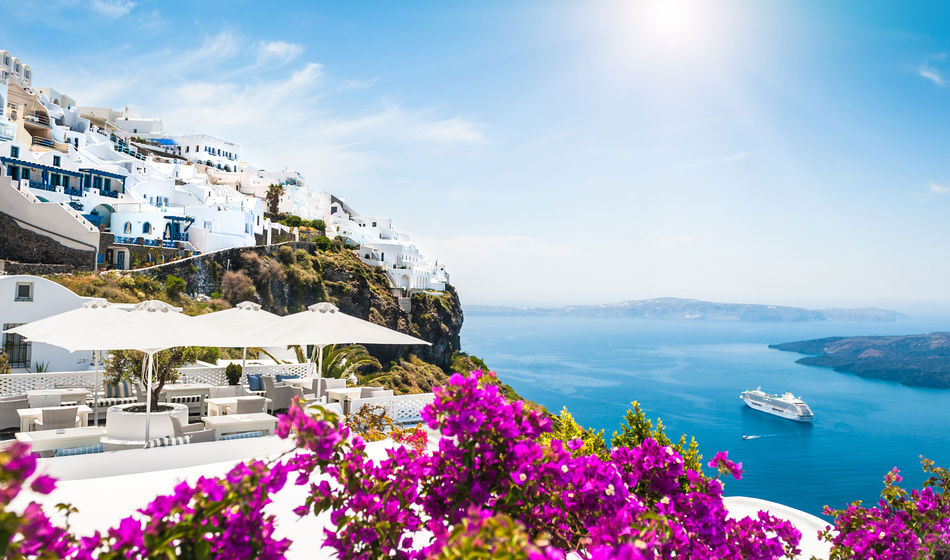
{"points": [[690, 374]]}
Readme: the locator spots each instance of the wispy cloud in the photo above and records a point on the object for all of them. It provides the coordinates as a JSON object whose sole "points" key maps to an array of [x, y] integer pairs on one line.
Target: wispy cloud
{"points": [[113, 8], [280, 52], [934, 188], [278, 113], [929, 72]]}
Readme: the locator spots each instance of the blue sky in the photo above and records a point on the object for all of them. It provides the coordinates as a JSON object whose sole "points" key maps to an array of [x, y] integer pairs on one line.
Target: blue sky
{"points": [[557, 152]]}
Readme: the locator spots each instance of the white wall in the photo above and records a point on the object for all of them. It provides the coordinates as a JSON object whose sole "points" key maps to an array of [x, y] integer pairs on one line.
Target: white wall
{"points": [[49, 298]]}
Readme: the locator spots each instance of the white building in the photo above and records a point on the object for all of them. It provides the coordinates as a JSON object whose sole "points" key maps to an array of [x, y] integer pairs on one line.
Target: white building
{"points": [[129, 121], [202, 148], [29, 298], [14, 69]]}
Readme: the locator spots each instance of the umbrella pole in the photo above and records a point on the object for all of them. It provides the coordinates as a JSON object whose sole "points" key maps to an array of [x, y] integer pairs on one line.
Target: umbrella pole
{"points": [[319, 361], [148, 398], [95, 387], [244, 359]]}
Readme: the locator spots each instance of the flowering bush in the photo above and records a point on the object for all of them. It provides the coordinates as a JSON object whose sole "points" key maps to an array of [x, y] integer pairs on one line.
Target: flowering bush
{"points": [[903, 526], [490, 461], [500, 484]]}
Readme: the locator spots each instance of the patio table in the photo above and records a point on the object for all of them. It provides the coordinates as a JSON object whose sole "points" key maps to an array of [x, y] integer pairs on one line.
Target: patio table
{"points": [[219, 406], [27, 415], [68, 394], [234, 423], [48, 440]]}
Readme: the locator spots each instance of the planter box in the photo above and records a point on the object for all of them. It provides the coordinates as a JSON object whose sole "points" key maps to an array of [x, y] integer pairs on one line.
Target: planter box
{"points": [[127, 427]]}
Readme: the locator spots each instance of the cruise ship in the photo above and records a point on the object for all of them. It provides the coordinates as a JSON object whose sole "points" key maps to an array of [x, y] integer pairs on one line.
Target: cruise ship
{"points": [[787, 406]]}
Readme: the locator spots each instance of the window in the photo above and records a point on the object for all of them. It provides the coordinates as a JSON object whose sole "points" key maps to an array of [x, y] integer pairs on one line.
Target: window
{"points": [[65, 181], [25, 174], [14, 151], [146, 228], [16, 347], [54, 179], [56, 161], [374, 224], [97, 182], [127, 228], [107, 185], [24, 291]]}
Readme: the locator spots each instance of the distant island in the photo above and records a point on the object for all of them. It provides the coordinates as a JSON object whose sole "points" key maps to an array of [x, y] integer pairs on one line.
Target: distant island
{"points": [[920, 360], [694, 309]]}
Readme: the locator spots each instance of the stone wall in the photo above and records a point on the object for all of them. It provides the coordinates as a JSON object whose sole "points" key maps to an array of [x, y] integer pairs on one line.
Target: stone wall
{"points": [[28, 247]]}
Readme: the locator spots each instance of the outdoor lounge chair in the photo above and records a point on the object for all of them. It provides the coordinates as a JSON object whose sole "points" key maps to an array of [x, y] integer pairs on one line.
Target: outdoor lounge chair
{"points": [[283, 396], [58, 418], [269, 385], [8, 407], [330, 383], [196, 431], [248, 405]]}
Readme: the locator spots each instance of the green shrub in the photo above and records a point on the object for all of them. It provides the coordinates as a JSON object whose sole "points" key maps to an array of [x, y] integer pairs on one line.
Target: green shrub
{"points": [[4, 363], [233, 373], [174, 286], [236, 287], [323, 242], [638, 427], [286, 255]]}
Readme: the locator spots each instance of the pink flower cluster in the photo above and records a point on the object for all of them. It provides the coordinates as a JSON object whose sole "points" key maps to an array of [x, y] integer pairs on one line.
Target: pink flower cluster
{"points": [[489, 460], [903, 526]]}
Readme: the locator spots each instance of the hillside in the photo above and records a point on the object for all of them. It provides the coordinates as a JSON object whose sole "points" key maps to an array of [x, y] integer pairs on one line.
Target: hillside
{"points": [[694, 309], [289, 277], [921, 360]]}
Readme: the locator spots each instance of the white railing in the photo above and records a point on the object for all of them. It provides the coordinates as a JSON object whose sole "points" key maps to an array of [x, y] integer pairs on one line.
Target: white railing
{"points": [[401, 409], [16, 383]]}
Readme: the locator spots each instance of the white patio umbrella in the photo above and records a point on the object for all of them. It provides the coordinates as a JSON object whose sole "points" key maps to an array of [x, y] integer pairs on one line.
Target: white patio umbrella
{"points": [[89, 316], [149, 327], [323, 324], [246, 317]]}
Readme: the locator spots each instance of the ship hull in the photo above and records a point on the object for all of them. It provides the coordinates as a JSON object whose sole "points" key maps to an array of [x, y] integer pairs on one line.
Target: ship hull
{"points": [[768, 409]]}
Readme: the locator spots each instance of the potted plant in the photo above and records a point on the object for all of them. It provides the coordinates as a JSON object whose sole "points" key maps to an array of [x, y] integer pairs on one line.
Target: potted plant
{"points": [[126, 423], [233, 374]]}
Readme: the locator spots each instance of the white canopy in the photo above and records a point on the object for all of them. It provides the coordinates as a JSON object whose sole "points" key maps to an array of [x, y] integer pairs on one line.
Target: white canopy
{"points": [[242, 321], [323, 324], [88, 317], [150, 326]]}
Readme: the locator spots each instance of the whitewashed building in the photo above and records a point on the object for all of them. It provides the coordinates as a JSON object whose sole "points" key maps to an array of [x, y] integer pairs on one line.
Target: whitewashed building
{"points": [[29, 298], [14, 69]]}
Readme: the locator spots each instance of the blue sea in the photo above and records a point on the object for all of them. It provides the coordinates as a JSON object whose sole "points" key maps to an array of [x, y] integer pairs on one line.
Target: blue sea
{"points": [[690, 374]]}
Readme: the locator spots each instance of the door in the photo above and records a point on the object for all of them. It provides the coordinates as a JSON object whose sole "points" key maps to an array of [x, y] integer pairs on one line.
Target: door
{"points": [[120, 260]]}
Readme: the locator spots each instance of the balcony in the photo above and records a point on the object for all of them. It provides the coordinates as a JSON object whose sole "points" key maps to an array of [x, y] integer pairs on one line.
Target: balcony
{"points": [[180, 236], [43, 142], [111, 194], [72, 192], [152, 242], [169, 245], [37, 118], [124, 240], [42, 186]]}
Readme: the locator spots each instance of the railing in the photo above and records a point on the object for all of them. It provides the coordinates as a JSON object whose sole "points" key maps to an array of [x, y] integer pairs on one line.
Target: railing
{"points": [[37, 141], [7, 131], [169, 245], [37, 117], [152, 242], [180, 237], [401, 409], [122, 240], [15, 383], [72, 192], [111, 194], [42, 186]]}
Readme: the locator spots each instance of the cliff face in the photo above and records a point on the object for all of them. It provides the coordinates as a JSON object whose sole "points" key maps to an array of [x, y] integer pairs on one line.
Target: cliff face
{"points": [[921, 360], [288, 278]]}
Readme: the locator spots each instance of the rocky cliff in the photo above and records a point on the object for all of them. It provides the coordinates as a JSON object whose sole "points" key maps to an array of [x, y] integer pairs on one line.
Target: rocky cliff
{"points": [[287, 278], [921, 360]]}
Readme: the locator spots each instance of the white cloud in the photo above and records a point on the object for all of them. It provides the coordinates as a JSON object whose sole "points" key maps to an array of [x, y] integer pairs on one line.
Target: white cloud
{"points": [[113, 8], [929, 72], [934, 188], [451, 130], [280, 52]]}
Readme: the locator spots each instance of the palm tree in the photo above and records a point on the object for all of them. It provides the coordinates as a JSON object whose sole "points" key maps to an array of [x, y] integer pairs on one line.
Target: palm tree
{"points": [[343, 361], [274, 192]]}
